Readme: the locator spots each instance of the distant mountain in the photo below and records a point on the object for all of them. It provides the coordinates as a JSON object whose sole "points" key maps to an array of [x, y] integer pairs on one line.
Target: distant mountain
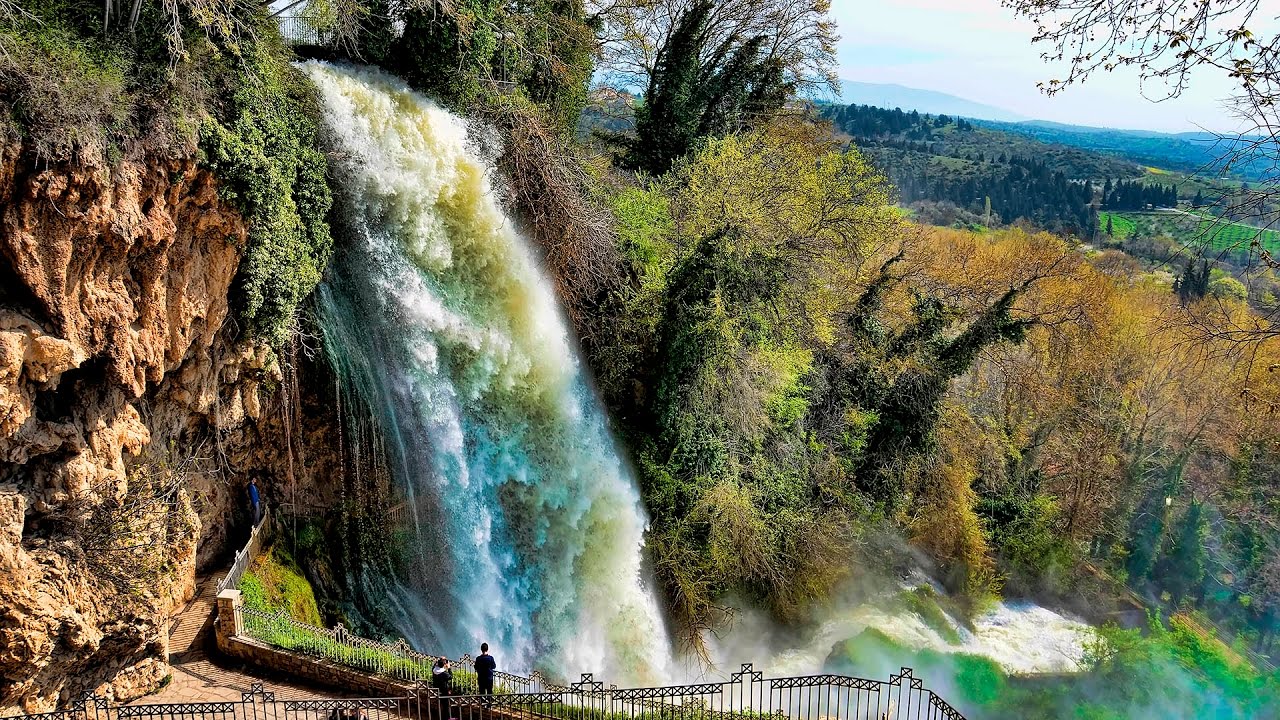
{"points": [[1190, 152], [925, 101]]}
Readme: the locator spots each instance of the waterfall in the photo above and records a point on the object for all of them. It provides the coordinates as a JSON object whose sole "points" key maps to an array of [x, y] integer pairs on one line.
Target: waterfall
{"points": [[435, 313]]}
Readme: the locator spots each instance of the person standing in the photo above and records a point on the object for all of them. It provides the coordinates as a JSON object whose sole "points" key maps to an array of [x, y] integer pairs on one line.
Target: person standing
{"points": [[485, 665], [255, 501], [442, 676]]}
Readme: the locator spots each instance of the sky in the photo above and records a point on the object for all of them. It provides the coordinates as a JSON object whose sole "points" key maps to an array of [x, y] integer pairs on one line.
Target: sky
{"points": [[980, 51]]}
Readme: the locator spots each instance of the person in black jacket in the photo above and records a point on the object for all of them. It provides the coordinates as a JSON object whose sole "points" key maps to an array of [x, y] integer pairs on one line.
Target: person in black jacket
{"points": [[485, 665], [442, 676]]}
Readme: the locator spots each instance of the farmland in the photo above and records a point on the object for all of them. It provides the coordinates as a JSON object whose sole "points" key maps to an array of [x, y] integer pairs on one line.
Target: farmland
{"points": [[1195, 229]]}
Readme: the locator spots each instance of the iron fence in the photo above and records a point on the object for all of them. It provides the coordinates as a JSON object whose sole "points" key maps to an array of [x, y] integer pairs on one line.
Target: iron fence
{"points": [[395, 660], [746, 695], [245, 555], [297, 30], [257, 704]]}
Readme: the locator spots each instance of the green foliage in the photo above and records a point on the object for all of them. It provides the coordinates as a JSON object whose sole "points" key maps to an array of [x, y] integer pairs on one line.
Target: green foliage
{"points": [[275, 582], [697, 91], [316, 642], [465, 41], [643, 218], [1117, 226], [933, 348], [62, 92], [1228, 288], [561, 47], [545, 48], [778, 394], [1199, 230], [1145, 533], [68, 88], [947, 161], [1182, 566], [264, 149], [1025, 535]]}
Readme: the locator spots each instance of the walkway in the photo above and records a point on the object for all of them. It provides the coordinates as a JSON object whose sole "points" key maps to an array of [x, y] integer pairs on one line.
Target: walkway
{"points": [[197, 675]]}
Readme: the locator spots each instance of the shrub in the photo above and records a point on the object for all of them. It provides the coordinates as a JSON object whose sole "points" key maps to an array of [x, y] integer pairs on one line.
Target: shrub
{"points": [[264, 149], [275, 582]]}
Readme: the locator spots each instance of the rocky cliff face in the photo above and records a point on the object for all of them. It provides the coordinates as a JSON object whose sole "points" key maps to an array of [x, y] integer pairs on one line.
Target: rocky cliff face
{"points": [[129, 417]]}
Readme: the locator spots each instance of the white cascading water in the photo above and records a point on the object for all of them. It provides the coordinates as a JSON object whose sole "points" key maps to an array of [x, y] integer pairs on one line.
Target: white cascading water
{"points": [[530, 526], [1023, 637]]}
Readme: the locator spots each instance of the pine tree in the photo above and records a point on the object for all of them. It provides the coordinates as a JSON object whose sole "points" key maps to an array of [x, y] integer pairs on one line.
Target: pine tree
{"points": [[1146, 528], [1194, 283], [1110, 230], [1198, 201]]}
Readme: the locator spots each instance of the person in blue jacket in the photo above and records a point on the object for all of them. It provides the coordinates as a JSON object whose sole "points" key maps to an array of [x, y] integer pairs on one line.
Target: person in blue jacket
{"points": [[255, 502], [485, 665]]}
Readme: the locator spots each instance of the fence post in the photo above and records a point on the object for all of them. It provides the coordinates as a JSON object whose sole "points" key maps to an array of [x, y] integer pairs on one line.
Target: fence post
{"points": [[230, 623]]}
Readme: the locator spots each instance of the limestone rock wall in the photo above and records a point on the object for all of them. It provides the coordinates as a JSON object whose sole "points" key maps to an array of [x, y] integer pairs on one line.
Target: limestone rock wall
{"points": [[127, 408]]}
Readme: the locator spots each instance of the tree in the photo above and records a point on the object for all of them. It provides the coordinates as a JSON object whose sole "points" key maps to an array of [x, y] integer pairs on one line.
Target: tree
{"points": [[544, 48], [1193, 284], [694, 94], [749, 289], [800, 36], [1110, 229], [1182, 568]]}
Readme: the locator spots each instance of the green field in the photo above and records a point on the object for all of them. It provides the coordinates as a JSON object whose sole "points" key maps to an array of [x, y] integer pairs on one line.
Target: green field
{"points": [[1208, 232], [1122, 226]]}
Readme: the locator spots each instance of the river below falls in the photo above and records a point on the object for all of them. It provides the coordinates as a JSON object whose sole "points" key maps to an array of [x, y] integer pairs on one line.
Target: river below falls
{"points": [[1023, 637]]}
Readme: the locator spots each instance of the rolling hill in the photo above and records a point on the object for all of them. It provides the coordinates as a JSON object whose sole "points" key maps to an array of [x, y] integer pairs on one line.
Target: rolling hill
{"points": [[891, 96]]}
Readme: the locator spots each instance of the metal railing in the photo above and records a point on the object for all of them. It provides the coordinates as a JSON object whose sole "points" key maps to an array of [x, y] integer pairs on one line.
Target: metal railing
{"points": [[245, 556], [393, 660], [296, 30], [257, 704], [745, 695]]}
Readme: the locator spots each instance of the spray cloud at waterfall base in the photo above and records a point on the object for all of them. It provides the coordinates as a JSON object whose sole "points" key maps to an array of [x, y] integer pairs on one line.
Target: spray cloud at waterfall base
{"points": [[1016, 660], [528, 527]]}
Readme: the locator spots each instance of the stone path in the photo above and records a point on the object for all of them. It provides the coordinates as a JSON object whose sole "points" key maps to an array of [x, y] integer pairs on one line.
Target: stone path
{"points": [[199, 674]]}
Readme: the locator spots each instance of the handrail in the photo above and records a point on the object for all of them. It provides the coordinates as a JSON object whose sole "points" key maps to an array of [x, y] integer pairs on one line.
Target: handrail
{"points": [[246, 555]]}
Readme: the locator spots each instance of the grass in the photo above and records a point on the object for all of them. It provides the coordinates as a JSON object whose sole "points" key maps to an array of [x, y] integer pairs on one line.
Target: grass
{"points": [[274, 582], [1221, 234], [282, 632], [1122, 226], [1209, 232]]}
